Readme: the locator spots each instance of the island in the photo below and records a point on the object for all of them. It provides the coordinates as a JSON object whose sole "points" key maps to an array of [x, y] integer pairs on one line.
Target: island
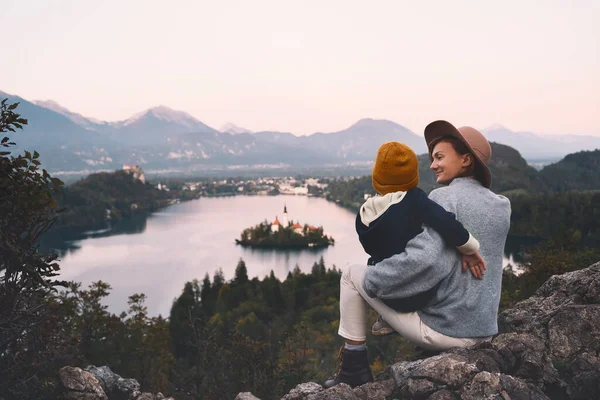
{"points": [[284, 234]]}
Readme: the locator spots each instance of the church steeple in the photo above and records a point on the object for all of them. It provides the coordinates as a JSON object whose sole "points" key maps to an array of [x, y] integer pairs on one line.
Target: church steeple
{"points": [[284, 217]]}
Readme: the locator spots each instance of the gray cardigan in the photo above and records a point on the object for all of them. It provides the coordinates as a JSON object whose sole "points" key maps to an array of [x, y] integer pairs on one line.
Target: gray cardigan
{"points": [[463, 307]]}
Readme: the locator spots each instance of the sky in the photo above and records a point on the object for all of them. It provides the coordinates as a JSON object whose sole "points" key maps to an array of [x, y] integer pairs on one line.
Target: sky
{"points": [[312, 66]]}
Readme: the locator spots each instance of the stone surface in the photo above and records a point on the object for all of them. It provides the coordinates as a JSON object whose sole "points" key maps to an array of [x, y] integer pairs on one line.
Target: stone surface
{"points": [[418, 388], [375, 390], [443, 395], [564, 314], [341, 391], [105, 376], [246, 396], [78, 384], [517, 389], [303, 390], [525, 356], [451, 370], [484, 386], [126, 389]]}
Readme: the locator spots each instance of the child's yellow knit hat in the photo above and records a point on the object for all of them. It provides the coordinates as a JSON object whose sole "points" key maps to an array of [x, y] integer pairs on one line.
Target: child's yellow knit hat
{"points": [[396, 168]]}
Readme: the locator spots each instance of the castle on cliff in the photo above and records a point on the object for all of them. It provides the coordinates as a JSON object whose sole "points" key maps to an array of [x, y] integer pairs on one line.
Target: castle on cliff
{"points": [[137, 172]]}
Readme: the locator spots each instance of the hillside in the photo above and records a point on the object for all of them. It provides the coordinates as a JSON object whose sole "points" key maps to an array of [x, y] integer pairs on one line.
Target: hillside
{"points": [[511, 172], [578, 171], [101, 196]]}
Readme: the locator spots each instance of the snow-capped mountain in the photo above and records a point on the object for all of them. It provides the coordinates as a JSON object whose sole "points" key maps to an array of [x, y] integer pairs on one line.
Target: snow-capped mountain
{"points": [[233, 129], [166, 114], [156, 125]]}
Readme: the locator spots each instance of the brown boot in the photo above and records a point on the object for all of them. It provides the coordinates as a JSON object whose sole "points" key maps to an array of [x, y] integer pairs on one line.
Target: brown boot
{"points": [[354, 369]]}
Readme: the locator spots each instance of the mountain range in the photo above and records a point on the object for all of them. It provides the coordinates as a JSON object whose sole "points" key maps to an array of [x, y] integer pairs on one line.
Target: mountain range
{"points": [[162, 139]]}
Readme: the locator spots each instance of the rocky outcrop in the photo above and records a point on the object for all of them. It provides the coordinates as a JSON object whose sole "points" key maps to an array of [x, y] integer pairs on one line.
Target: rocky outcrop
{"points": [[565, 315], [100, 383], [548, 348], [80, 385]]}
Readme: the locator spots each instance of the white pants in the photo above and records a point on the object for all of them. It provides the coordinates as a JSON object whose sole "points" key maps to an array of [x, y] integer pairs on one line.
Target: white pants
{"points": [[353, 316]]}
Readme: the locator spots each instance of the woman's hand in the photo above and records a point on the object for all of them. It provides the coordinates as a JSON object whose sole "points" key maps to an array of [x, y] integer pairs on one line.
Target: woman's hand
{"points": [[475, 263]]}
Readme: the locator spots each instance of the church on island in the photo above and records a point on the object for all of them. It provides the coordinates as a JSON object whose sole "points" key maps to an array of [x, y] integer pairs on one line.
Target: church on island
{"points": [[296, 227], [284, 233]]}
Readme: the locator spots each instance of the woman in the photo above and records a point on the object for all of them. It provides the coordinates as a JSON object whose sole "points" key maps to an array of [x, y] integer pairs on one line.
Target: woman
{"points": [[464, 310]]}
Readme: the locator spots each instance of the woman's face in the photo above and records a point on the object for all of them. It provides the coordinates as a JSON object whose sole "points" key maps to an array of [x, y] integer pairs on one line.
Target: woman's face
{"points": [[447, 163]]}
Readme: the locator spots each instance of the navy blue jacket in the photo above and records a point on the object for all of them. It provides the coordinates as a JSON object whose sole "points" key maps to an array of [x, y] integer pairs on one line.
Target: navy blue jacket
{"points": [[389, 232]]}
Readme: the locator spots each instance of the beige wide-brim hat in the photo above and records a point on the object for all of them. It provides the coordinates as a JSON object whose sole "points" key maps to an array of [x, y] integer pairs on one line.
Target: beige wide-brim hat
{"points": [[472, 138]]}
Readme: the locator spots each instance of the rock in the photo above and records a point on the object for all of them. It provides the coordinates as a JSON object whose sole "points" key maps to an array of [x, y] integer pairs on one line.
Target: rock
{"points": [[446, 369], [80, 385], [126, 389], [246, 396], [573, 329], [484, 386], [115, 386], [559, 293], [564, 314], [418, 388], [443, 395], [105, 375], [516, 389], [339, 392], [526, 356], [375, 390], [403, 370], [303, 390], [483, 355]]}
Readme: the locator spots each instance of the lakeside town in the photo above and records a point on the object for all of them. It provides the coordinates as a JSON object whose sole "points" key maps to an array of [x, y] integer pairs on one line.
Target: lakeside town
{"points": [[265, 186]]}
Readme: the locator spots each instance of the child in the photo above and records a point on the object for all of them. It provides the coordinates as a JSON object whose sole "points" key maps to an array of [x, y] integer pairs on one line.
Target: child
{"points": [[387, 222]]}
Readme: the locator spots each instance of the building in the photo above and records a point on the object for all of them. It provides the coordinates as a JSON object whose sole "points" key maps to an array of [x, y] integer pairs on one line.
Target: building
{"points": [[275, 225], [297, 228], [137, 172]]}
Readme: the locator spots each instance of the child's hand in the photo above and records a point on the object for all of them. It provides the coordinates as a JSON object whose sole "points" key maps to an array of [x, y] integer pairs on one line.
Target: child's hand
{"points": [[475, 263]]}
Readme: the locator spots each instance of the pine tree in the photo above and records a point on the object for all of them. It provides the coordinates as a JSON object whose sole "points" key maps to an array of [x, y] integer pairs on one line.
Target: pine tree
{"points": [[241, 273]]}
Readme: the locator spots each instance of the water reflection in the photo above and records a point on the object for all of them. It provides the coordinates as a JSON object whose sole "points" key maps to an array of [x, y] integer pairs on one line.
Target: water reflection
{"points": [[64, 241], [287, 258]]}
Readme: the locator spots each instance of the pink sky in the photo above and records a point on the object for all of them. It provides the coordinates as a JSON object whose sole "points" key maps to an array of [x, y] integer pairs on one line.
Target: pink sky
{"points": [[306, 66]]}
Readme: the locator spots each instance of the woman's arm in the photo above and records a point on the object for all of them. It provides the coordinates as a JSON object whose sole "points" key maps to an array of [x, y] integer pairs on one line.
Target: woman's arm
{"points": [[425, 262]]}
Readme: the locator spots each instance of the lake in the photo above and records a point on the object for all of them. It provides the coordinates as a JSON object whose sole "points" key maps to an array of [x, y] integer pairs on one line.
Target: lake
{"points": [[157, 254]]}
